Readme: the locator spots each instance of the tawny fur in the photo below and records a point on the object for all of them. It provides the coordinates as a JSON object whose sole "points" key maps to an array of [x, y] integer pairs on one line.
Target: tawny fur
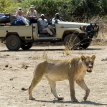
{"points": [[73, 70]]}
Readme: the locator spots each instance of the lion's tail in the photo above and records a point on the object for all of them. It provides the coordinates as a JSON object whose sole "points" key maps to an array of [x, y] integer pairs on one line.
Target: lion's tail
{"points": [[45, 56], [24, 89]]}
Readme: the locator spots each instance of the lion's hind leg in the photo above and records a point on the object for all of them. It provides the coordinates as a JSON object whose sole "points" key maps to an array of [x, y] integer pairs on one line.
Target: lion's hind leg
{"points": [[82, 84], [36, 79], [53, 89]]}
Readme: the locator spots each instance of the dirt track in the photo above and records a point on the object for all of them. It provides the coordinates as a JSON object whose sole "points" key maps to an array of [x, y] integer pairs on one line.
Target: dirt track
{"points": [[16, 71]]}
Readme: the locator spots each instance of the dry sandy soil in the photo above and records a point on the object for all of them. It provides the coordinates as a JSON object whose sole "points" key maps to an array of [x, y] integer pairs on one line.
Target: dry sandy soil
{"points": [[16, 71]]}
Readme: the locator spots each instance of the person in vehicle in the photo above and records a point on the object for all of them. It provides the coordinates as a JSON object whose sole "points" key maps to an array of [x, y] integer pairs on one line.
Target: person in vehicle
{"points": [[56, 19], [20, 19], [32, 14], [43, 25]]}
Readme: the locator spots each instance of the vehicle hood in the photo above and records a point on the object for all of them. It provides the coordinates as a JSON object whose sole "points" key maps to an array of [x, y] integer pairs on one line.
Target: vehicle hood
{"points": [[72, 24]]}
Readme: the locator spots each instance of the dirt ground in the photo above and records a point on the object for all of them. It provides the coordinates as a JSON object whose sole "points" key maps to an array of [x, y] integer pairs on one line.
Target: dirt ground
{"points": [[16, 71]]}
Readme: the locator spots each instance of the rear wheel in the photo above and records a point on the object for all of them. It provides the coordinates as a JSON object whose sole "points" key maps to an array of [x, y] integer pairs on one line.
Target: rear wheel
{"points": [[26, 46], [13, 42], [72, 41]]}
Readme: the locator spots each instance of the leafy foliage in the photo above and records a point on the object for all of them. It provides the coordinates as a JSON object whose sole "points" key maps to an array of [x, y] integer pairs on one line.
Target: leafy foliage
{"points": [[7, 6], [49, 7], [69, 9]]}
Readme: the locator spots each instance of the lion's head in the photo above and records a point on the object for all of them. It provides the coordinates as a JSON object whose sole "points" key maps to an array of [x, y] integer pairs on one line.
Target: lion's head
{"points": [[88, 62]]}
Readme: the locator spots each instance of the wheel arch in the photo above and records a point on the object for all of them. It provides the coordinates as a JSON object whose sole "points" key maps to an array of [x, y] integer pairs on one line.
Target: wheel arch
{"points": [[72, 41], [69, 32], [12, 33]]}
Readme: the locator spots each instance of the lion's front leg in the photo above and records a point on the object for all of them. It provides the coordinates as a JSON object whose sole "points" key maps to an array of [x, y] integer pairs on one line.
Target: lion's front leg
{"points": [[82, 84], [72, 90]]}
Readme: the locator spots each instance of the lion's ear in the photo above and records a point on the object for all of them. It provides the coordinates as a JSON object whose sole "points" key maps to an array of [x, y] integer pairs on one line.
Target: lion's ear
{"points": [[93, 57], [83, 58]]}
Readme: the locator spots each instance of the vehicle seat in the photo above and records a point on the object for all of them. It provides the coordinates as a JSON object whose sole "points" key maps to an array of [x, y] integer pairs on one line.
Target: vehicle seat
{"points": [[44, 33]]}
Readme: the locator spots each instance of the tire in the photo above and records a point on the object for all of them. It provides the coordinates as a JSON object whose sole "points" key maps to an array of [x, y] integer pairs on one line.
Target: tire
{"points": [[72, 41], [13, 42], [26, 46], [85, 44]]}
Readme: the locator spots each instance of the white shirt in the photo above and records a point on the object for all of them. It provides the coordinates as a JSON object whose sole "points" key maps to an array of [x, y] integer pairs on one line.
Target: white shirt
{"points": [[23, 19], [32, 14], [53, 20]]}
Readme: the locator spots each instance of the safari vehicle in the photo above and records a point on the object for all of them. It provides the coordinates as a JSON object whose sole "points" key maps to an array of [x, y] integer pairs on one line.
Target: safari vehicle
{"points": [[74, 35]]}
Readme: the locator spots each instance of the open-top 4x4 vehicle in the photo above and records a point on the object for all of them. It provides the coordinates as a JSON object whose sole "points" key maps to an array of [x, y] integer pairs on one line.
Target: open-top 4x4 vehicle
{"points": [[74, 35]]}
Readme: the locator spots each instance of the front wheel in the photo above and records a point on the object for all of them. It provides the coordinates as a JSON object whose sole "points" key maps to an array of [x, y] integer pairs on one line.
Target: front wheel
{"points": [[26, 46], [72, 41], [85, 43], [13, 42]]}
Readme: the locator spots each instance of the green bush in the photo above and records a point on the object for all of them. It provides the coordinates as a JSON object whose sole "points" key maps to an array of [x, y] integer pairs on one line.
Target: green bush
{"points": [[69, 9], [48, 7], [7, 6]]}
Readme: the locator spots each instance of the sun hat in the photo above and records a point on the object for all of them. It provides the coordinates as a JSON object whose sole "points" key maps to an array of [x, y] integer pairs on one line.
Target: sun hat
{"points": [[19, 8], [42, 15], [32, 6]]}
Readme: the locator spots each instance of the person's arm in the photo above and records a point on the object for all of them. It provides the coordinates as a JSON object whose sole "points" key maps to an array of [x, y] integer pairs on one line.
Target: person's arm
{"points": [[35, 13], [54, 21], [25, 20], [28, 14]]}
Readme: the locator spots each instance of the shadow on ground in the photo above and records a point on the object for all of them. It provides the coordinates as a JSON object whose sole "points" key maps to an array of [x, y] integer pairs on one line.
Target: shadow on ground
{"points": [[50, 50], [70, 102]]}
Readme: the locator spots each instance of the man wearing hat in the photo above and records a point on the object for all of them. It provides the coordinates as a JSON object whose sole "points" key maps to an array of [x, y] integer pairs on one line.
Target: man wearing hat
{"points": [[43, 25], [32, 14], [20, 19], [56, 19]]}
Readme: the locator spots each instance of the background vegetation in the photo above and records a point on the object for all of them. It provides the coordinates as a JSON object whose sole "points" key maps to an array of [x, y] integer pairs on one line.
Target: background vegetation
{"points": [[69, 9]]}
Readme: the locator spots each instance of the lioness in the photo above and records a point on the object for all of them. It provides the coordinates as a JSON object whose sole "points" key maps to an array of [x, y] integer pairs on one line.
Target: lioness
{"points": [[73, 70]]}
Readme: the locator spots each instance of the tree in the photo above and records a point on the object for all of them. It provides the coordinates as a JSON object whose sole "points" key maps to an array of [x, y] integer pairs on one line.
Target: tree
{"points": [[7, 6], [69, 9]]}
